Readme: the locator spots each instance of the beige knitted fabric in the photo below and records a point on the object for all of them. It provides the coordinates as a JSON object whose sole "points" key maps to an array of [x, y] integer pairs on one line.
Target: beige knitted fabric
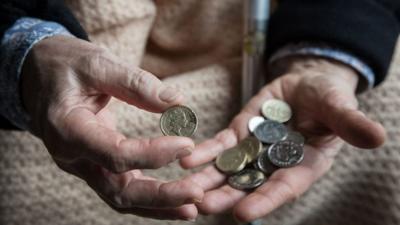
{"points": [[199, 43]]}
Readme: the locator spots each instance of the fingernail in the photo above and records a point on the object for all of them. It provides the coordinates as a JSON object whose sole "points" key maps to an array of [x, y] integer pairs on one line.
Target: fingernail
{"points": [[361, 113], [193, 201], [169, 94], [184, 152], [191, 220]]}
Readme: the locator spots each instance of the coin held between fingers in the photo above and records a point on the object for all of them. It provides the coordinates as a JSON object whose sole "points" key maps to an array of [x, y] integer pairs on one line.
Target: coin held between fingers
{"points": [[178, 121]]}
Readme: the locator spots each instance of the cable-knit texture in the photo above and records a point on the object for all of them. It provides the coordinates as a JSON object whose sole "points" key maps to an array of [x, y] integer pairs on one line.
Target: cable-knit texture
{"points": [[362, 188]]}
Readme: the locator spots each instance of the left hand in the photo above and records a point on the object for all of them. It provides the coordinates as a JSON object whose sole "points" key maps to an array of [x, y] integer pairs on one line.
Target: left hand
{"points": [[322, 96]]}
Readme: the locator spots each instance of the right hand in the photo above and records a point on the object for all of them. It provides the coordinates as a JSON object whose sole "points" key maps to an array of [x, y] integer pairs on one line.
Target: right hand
{"points": [[66, 85]]}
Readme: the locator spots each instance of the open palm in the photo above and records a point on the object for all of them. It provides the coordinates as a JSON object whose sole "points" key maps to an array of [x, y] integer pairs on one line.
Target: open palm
{"points": [[324, 110]]}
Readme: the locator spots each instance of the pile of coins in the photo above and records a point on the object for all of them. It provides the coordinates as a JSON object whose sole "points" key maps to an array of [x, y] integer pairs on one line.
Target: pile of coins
{"points": [[273, 146]]}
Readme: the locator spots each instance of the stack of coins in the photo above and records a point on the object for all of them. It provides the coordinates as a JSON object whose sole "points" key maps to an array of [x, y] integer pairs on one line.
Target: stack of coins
{"points": [[273, 146]]}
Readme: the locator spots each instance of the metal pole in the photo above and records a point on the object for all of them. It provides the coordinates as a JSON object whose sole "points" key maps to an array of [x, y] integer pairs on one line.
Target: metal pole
{"points": [[256, 15]]}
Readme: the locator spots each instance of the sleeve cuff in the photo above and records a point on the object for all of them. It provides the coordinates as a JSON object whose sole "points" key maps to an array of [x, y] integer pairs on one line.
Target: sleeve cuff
{"points": [[366, 73], [15, 46]]}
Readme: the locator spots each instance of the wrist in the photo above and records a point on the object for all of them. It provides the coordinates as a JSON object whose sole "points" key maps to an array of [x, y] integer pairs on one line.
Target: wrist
{"points": [[314, 66]]}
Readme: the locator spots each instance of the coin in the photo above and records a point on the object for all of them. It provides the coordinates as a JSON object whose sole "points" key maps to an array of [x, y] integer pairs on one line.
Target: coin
{"points": [[276, 110], [264, 164], [270, 131], [254, 122], [296, 137], [178, 121], [231, 160], [285, 153], [246, 179], [252, 146]]}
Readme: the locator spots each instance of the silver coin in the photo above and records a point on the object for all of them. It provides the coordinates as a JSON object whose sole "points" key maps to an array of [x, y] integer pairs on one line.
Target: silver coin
{"points": [[296, 137], [178, 121], [276, 110], [270, 131], [264, 164], [246, 179], [254, 122], [285, 153]]}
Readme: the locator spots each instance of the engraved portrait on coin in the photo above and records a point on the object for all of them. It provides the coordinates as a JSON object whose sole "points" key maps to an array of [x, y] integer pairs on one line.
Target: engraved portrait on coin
{"points": [[178, 121], [285, 153]]}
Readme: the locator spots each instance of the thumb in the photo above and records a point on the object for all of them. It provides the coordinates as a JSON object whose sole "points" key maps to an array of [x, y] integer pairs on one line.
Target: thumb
{"points": [[342, 116], [128, 83]]}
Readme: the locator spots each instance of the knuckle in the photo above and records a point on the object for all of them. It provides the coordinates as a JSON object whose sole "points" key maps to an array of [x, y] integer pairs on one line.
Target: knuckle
{"points": [[287, 193], [117, 203], [335, 101], [150, 158], [93, 62], [94, 57], [138, 80], [115, 163]]}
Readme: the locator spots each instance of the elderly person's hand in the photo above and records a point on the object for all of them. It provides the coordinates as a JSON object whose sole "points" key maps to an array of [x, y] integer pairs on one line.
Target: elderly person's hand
{"points": [[66, 85], [322, 96]]}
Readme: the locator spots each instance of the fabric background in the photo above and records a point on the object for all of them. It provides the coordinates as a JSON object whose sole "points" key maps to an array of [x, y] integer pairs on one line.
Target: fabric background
{"points": [[362, 188]]}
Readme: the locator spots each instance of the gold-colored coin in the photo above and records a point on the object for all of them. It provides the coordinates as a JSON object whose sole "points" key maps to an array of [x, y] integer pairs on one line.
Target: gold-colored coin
{"points": [[252, 146], [232, 160], [178, 121], [246, 179]]}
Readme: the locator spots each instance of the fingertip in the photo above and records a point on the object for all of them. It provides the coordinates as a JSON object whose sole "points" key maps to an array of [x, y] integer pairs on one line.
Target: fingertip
{"points": [[242, 212], [362, 132], [196, 192], [176, 141], [188, 212], [207, 206], [379, 137], [171, 96], [187, 162], [182, 192], [242, 217]]}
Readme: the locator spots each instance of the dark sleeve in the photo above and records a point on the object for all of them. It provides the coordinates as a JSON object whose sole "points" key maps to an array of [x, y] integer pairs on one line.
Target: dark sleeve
{"points": [[367, 29], [51, 10]]}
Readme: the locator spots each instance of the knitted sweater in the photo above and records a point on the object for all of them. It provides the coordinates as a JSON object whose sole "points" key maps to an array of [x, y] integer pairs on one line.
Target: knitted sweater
{"points": [[363, 187]]}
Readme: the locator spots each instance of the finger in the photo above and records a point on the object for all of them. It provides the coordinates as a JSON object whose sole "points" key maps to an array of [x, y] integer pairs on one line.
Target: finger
{"points": [[109, 187], [339, 112], [209, 149], [132, 189], [113, 151], [284, 185], [128, 83], [185, 212], [209, 178], [220, 200]]}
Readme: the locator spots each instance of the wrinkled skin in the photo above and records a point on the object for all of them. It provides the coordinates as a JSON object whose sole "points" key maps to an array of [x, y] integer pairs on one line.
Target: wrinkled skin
{"points": [[66, 85], [325, 110]]}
